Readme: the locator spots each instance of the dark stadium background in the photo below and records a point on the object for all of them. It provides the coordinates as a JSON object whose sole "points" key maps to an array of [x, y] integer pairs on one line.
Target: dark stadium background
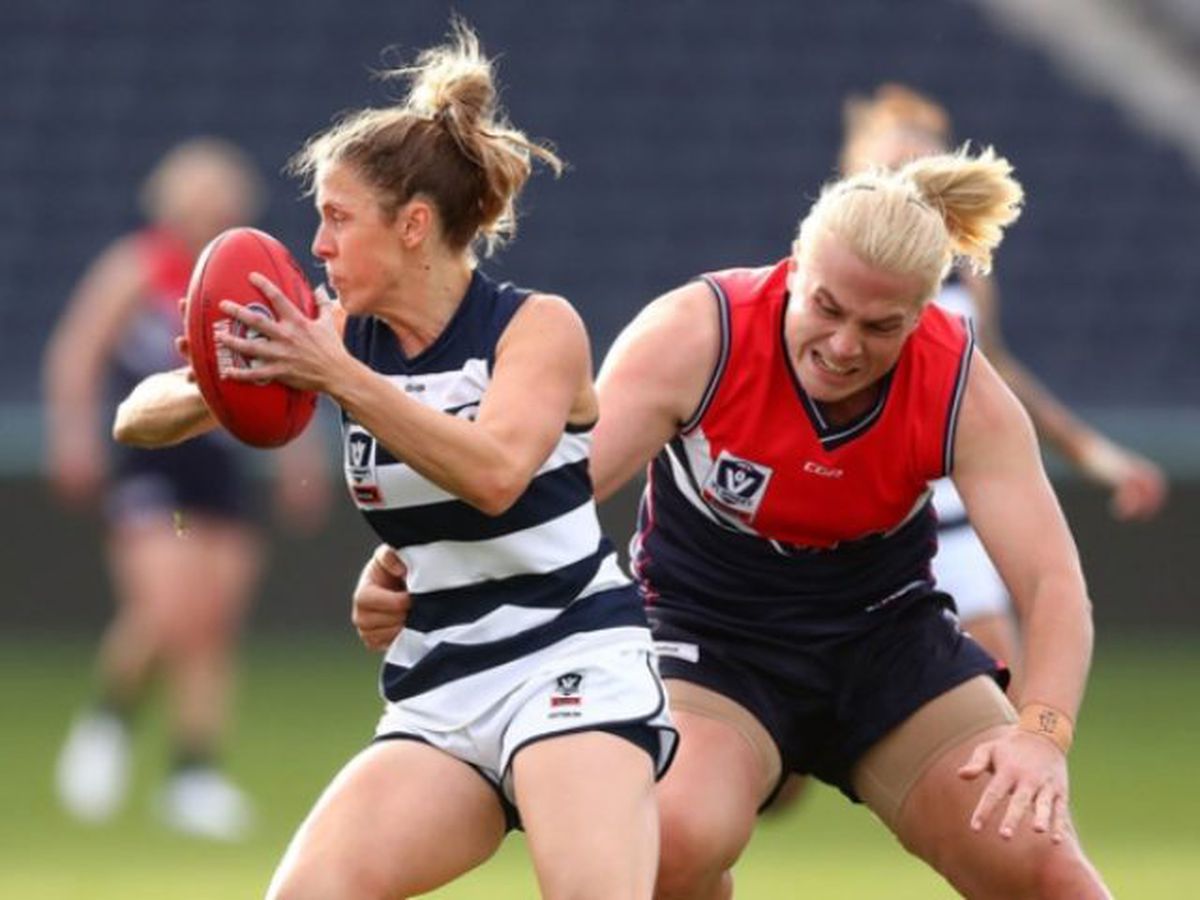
{"points": [[696, 132]]}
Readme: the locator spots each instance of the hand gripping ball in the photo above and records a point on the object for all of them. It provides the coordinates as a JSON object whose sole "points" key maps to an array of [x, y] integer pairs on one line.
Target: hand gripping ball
{"points": [[262, 414]]}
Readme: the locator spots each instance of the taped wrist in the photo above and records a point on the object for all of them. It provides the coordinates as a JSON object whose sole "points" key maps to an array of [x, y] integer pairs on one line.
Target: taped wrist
{"points": [[1051, 723]]}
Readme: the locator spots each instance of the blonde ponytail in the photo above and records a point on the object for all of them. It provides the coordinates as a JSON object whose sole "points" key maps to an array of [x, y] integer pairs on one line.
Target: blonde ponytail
{"points": [[919, 219], [977, 197]]}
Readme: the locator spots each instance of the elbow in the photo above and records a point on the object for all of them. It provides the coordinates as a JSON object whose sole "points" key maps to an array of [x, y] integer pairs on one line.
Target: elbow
{"points": [[129, 431], [123, 430], [496, 494]]}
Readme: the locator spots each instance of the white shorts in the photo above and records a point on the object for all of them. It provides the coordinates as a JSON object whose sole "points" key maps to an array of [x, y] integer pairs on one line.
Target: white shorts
{"points": [[587, 682], [964, 571]]}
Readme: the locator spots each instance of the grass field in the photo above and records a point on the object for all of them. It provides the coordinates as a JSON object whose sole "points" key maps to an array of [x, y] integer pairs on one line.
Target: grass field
{"points": [[308, 704]]}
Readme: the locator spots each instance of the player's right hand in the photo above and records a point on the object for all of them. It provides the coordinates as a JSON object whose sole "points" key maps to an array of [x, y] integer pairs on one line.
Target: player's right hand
{"points": [[381, 600]]}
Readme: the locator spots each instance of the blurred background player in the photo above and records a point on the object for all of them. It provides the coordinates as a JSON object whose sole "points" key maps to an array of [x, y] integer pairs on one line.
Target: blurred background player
{"points": [[182, 548], [893, 126]]}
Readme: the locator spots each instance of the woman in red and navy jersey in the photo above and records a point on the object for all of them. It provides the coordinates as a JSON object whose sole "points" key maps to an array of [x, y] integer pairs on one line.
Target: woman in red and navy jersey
{"points": [[182, 545], [794, 416]]}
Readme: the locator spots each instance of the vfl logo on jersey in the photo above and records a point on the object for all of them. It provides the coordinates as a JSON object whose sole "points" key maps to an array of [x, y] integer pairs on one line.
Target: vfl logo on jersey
{"points": [[567, 696], [360, 467], [736, 485]]}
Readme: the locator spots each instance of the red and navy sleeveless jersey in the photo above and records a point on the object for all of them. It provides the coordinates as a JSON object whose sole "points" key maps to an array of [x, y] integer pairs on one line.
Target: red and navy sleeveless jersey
{"points": [[148, 342], [760, 497], [168, 262]]}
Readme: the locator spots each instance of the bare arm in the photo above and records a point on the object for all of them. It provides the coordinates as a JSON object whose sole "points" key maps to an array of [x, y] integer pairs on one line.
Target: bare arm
{"points": [[541, 380], [652, 380], [1138, 485], [164, 409], [1010, 502], [74, 365]]}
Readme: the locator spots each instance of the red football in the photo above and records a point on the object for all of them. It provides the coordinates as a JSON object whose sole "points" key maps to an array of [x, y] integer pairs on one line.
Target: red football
{"points": [[260, 414]]}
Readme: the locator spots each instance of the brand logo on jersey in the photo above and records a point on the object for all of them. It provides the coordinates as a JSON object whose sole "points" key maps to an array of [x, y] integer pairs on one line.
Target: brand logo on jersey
{"points": [[360, 467], [466, 411], [678, 650], [567, 698], [815, 468], [736, 485]]}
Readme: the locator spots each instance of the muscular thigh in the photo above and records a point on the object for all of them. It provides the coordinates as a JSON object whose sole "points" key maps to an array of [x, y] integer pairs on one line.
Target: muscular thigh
{"points": [[401, 818], [592, 836], [934, 824], [887, 774]]}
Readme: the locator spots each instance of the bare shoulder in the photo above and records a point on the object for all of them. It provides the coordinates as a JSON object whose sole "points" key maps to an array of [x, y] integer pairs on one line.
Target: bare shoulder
{"points": [[552, 308], [684, 321], [546, 316], [668, 351], [992, 418], [120, 263]]}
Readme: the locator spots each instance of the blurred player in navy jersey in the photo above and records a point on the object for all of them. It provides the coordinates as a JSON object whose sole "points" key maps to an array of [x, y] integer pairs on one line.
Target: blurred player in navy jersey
{"points": [[183, 544]]}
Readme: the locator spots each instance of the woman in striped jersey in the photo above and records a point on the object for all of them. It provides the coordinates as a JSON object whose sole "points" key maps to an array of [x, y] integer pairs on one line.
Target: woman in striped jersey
{"points": [[523, 687]]}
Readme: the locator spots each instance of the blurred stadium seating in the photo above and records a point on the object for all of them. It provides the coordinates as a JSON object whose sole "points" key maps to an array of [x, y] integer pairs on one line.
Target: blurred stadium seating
{"points": [[695, 130]]}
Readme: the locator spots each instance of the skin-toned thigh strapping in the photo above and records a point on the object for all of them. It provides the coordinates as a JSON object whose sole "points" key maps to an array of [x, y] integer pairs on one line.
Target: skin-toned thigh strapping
{"points": [[887, 772]]}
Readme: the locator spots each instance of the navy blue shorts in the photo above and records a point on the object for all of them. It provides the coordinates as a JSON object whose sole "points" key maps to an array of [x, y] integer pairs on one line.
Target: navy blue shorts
{"points": [[826, 700], [203, 476]]}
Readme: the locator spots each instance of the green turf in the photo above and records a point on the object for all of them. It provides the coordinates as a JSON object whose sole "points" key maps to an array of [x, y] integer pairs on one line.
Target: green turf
{"points": [[308, 704]]}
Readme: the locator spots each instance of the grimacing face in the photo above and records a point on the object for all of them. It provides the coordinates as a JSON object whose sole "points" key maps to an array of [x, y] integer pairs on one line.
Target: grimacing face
{"points": [[846, 323]]}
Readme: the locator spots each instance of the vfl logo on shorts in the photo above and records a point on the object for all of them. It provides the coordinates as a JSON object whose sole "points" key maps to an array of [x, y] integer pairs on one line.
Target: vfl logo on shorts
{"points": [[360, 467], [567, 696], [736, 485]]}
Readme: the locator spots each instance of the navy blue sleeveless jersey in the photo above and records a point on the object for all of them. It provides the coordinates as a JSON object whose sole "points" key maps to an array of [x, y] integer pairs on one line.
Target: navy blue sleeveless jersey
{"points": [[486, 590]]}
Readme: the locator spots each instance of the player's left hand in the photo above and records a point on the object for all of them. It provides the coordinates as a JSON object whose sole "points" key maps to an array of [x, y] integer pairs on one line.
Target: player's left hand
{"points": [[301, 352], [1031, 773]]}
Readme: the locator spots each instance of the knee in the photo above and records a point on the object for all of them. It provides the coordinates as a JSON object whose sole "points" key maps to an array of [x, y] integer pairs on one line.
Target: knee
{"points": [[695, 852]]}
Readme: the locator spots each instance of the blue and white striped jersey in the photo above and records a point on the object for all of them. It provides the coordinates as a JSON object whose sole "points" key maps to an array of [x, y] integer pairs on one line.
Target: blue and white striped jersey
{"points": [[486, 590]]}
